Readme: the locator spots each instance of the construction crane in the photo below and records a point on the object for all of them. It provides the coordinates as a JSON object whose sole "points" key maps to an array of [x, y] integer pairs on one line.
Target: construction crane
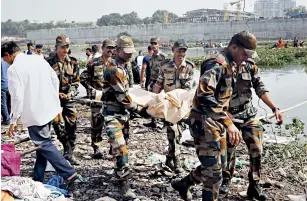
{"points": [[238, 4], [165, 18]]}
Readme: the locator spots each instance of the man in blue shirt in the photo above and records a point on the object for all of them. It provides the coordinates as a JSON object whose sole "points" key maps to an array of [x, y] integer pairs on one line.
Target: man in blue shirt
{"points": [[30, 48], [144, 67], [5, 96]]}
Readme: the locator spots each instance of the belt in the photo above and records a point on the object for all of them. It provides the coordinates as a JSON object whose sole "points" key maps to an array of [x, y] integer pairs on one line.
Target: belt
{"points": [[240, 108]]}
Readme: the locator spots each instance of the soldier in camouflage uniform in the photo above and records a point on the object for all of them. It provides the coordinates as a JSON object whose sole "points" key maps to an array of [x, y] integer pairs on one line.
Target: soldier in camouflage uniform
{"points": [[209, 120], [153, 70], [241, 107], [67, 70], [117, 107], [175, 74], [92, 78]]}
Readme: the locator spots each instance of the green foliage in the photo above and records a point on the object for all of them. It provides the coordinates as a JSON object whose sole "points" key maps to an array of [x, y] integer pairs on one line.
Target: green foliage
{"points": [[296, 127], [132, 18], [82, 63], [297, 10], [19, 28], [123, 34], [278, 58]]}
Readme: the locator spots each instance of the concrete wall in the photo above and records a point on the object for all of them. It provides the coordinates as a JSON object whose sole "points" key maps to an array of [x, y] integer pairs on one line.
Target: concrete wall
{"points": [[263, 29]]}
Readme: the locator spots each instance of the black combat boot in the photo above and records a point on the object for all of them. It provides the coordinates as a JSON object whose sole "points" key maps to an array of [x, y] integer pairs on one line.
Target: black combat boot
{"points": [[126, 191], [224, 188], [97, 153], [254, 191], [183, 187], [152, 124], [169, 162], [177, 165], [68, 150]]}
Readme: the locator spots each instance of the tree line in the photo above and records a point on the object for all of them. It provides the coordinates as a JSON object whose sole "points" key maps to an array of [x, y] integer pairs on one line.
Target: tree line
{"points": [[13, 28]]}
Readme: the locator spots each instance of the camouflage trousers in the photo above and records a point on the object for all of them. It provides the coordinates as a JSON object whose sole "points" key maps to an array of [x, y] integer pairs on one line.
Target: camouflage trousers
{"points": [[211, 149], [253, 137], [96, 125], [116, 124], [65, 126], [151, 84], [174, 134]]}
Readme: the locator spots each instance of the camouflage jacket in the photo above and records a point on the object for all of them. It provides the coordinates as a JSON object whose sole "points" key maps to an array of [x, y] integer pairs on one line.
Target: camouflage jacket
{"points": [[67, 72], [172, 77], [92, 76], [116, 85], [215, 88], [248, 77], [128, 69], [155, 62]]}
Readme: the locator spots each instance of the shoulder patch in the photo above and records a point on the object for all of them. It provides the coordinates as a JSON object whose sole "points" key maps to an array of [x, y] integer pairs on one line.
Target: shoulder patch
{"points": [[190, 63]]}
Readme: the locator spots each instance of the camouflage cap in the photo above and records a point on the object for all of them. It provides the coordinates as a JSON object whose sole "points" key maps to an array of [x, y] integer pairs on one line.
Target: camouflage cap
{"points": [[108, 43], [126, 43], [62, 40], [154, 40], [248, 41], [180, 43]]}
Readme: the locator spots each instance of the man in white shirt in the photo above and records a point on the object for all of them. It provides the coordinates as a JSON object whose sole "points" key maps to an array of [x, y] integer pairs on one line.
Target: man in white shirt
{"points": [[34, 88]]}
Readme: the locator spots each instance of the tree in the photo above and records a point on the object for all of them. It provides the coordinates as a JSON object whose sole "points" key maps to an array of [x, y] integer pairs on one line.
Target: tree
{"points": [[297, 10], [158, 16], [123, 34]]}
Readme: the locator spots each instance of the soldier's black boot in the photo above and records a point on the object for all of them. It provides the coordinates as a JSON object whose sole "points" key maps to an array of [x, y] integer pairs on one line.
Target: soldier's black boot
{"points": [[169, 162], [68, 150], [177, 165], [97, 153], [254, 191], [224, 188], [152, 124], [183, 187], [126, 190]]}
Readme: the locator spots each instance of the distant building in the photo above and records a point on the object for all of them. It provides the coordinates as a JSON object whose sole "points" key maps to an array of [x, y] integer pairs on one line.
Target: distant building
{"points": [[273, 8], [212, 15]]}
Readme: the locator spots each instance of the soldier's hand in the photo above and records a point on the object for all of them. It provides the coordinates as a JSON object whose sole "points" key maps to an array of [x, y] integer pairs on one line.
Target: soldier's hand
{"points": [[68, 96], [234, 135], [278, 116], [62, 96]]}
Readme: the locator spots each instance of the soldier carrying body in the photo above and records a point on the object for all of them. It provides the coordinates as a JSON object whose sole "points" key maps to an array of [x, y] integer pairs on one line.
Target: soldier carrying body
{"points": [[175, 74], [210, 125], [117, 107], [92, 78]]}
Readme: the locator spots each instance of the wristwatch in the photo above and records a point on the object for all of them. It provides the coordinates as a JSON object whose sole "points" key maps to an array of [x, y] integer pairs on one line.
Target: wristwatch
{"points": [[274, 109]]}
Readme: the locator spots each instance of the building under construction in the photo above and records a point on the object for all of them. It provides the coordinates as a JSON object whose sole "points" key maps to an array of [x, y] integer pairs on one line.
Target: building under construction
{"points": [[214, 15]]}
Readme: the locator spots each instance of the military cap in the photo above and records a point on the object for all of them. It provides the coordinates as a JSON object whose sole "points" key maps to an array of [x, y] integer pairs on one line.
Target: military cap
{"points": [[39, 46], [180, 44], [248, 41], [62, 40], [108, 43], [154, 40], [126, 43]]}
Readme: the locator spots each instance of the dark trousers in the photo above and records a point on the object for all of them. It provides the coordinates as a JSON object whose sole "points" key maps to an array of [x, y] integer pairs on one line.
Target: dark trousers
{"points": [[5, 105], [40, 135]]}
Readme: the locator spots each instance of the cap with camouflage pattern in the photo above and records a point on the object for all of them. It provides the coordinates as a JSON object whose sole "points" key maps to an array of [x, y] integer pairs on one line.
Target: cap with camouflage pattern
{"points": [[248, 41], [126, 43], [108, 43], [180, 43], [154, 40], [62, 40]]}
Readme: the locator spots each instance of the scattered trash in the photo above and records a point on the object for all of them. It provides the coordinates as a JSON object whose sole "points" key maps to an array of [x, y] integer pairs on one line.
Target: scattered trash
{"points": [[106, 198], [240, 164], [109, 172], [236, 180], [282, 172], [297, 197], [156, 158], [190, 163]]}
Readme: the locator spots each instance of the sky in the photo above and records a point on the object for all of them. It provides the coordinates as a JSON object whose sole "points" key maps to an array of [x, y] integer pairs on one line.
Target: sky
{"points": [[91, 10]]}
